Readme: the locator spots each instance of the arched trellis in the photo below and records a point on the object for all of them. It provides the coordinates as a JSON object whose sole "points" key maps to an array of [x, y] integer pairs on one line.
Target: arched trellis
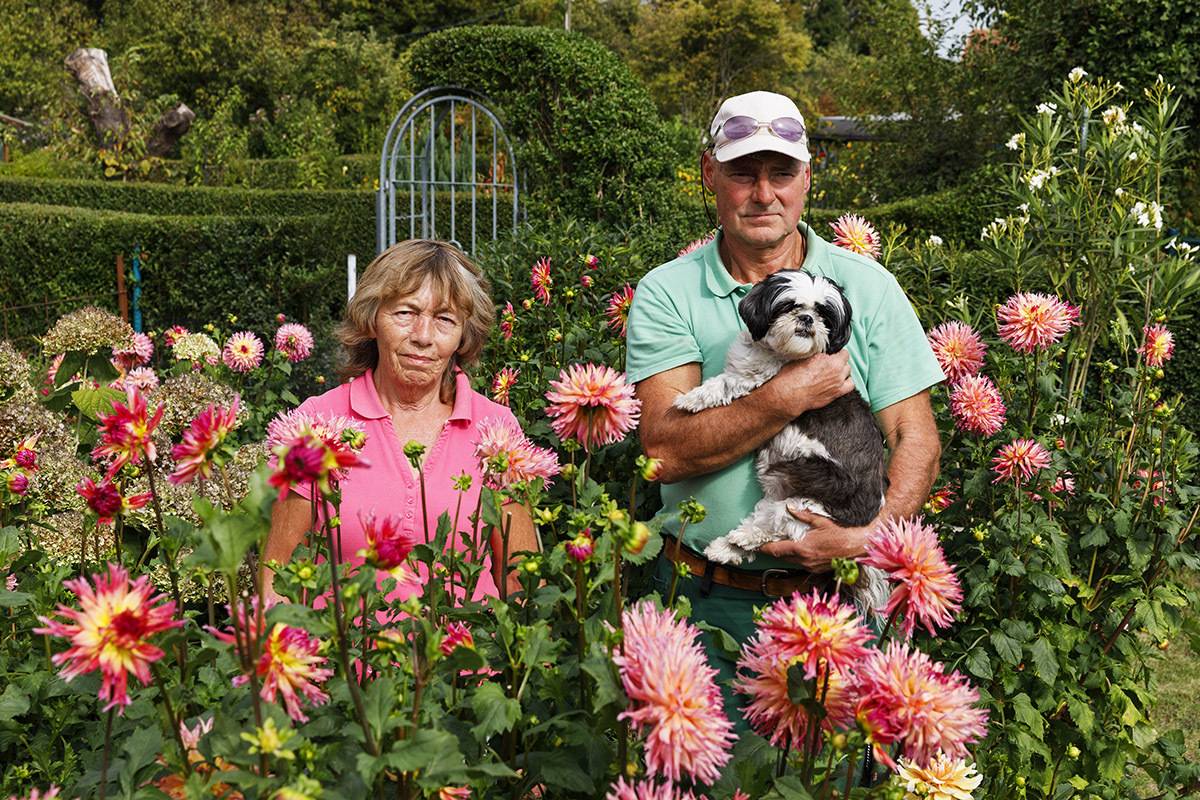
{"points": [[444, 149]]}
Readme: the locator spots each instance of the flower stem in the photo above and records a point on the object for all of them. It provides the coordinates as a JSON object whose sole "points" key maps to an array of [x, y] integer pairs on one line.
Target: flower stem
{"points": [[107, 750], [172, 720], [675, 564]]}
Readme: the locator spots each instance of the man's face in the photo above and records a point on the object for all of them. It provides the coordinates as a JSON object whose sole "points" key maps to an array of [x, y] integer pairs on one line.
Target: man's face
{"points": [[760, 196]]}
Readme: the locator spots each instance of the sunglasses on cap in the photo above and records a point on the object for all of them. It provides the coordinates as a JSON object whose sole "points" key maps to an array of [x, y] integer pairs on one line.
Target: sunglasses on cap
{"points": [[789, 129]]}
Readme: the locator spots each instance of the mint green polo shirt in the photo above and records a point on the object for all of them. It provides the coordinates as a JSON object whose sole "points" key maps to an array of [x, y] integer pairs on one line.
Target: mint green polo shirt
{"points": [[686, 311]]}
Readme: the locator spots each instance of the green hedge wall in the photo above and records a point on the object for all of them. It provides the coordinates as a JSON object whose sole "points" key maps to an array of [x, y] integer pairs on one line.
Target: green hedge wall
{"points": [[589, 140]]}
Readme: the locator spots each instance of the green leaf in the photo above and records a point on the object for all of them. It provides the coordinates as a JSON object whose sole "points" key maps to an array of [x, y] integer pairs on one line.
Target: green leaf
{"points": [[1096, 537], [606, 689], [142, 746], [428, 750], [789, 787], [565, 769], [378, 702], [1025, 713], [72, 362], [720, 638], [13, 703], [495, 711], [1006, 647], [91, 402], [653, 547], [800, 688], [978, 664], [1045, 660], [1081, 712]]}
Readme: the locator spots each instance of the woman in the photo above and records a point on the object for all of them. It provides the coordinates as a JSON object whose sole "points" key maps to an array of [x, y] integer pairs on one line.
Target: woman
{"points": [[421, 313]]}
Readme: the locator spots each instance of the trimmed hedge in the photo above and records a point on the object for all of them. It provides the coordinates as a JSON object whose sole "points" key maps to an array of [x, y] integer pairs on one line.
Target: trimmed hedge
{"points": [[588, 139]]}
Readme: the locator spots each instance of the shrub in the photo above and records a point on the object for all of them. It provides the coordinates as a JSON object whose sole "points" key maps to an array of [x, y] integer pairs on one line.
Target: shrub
{"points": [[587, 136]]}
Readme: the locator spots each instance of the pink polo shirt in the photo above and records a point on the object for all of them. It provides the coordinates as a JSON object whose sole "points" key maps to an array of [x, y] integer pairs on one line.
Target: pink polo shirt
{"points": [[389, 487]]}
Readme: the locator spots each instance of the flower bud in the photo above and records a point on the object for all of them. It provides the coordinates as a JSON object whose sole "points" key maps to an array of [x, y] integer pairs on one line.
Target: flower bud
{"points": [[570, 294], [639, 534], [650, 468], [692, 511], [1073, 752], [281, 318], [1020, 780], [617, 515], [305, 573], [581, 547], [526, 304], [591, 261], [18, 484], [320, 380], [585, 281], [979, 534], [839, 742]]}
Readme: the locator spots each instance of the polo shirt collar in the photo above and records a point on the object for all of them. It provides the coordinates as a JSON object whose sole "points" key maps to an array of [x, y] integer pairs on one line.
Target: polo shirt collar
{"points": [[365, 402], [722, 284]]}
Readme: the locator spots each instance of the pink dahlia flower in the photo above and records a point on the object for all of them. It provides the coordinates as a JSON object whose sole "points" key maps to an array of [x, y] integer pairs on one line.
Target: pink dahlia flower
{"points": [[243, 352], [1032, 321], [137, 354], [143, 379], [126, 434], [111, 631], [926, 589], [906, 697], [290, 667], [173, 334], [313, 448], [648, 790], [502, 384], [507, 457], [976, 405], [940, 500], [618, 309], [388, 544], [852, 232], [673, 697], [541, 280], [581, 547], [454, 793], [295, 341], [958, 349], [696, 244], [36, 795], [508, 318], [1019, 461], [1159, 345], [18, 483], [197, 454], [457, 635], [763, 675], [106, 501], [816, 630], [592, 404]]}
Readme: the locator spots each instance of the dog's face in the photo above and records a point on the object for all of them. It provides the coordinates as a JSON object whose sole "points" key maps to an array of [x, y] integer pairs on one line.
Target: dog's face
{"points": [[797, 314]]}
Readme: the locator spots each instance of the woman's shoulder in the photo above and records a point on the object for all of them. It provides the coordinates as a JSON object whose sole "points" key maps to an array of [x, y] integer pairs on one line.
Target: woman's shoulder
{"points": [[483, 407], [334, 401]]}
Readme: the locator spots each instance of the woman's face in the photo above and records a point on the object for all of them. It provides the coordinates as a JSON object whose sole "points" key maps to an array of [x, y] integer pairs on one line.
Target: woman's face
{"points": [[416, 334]]}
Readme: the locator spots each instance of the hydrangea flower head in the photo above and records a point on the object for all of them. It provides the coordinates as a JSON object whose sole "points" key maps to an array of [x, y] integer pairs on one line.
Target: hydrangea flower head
{"points": [[111, 631], [958, 349], [854, 233], [1033, 321], [926, 589], [593, 404], [196, 347], [294, 340], [976, 405], [243, 352], [673, 696]]}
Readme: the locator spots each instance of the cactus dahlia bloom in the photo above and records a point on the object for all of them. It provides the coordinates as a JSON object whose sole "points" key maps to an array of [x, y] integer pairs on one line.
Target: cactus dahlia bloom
{"points": [[196, 454], [126, 434], [852, 232], [618, 309], [673, 696], [502, 384], [295, 341], [592, 404], [291, 667], [1032, 321], [457, 635], [541, 280], [106, 501], [1019, 461], [138, 354], [941, 779], [243, 352], [648, 790], [313, 449], [507, 457], [763, 676], [111, 631], [926, 589], [696, 244], [976, 405], [388, 544], [816, 630], [1159, 345], [906, 697], [958, 349], [508, 318]]}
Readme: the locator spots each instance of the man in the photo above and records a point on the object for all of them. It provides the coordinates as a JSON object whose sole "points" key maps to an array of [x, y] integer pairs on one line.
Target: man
{"points": [[683, 319]]}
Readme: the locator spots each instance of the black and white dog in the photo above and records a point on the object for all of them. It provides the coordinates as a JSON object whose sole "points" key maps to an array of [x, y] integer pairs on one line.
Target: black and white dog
{"points": [[830, 459]]}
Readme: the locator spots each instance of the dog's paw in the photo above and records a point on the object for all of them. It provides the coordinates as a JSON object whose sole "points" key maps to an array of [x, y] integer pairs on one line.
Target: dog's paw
{"points": [[745, 538], [698, 399], [722, 552]]}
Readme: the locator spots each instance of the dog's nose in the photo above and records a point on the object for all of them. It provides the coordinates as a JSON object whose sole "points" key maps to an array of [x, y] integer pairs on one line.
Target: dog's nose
{"points": [[805, 319]]}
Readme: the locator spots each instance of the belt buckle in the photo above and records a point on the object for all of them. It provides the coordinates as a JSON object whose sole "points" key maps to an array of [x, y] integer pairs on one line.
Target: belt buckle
{"points": [[766, 574]]}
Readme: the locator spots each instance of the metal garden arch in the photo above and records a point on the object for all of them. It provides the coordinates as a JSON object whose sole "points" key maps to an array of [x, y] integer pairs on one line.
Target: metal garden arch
{"points": [[446, 145]]}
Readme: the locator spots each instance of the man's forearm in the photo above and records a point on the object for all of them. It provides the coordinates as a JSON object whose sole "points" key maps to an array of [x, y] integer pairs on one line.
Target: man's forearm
{"points": [[912, 469]]}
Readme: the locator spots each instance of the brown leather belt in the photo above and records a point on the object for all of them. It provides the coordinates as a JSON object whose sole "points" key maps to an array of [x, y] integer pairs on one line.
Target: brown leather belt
{"points": [[770, 582]]}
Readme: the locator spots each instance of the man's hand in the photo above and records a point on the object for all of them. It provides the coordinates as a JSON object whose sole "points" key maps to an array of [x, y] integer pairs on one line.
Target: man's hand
{"points": [[825, 541], [810, 383]]}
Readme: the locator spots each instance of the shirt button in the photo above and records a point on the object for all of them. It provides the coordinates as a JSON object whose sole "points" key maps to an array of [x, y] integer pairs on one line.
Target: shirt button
{"points": [[408, 514]]}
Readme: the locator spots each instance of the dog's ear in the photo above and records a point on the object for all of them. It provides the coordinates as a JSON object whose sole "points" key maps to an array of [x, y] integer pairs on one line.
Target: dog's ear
{"points": [[835, 313], [755, 308]]}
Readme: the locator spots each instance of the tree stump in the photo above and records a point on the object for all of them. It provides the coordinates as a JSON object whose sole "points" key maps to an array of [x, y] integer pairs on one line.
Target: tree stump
{"points": [[89, 65], [169, 129]]}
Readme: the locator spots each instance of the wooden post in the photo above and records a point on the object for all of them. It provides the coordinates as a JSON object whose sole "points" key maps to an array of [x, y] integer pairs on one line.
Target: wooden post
{"points": [[122, 297]]}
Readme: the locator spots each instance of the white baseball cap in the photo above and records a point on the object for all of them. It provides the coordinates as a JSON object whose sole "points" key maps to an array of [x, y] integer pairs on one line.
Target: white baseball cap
{"points": [[765, 120]]}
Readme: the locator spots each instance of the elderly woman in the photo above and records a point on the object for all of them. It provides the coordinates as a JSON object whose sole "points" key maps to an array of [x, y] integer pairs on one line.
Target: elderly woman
{"points": [[421, 314]]}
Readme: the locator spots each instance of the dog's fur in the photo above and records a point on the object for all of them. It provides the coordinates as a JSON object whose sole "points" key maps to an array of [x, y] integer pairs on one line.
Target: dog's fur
{"points": [[829, 460]]}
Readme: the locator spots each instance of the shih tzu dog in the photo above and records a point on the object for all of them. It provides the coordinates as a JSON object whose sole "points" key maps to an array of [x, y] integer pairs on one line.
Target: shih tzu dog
{"points": [[829, 460]]}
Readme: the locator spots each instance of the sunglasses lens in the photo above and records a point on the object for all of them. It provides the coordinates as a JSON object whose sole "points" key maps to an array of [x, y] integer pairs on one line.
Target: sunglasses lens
{"points": [[739, 127], [788, 129]]}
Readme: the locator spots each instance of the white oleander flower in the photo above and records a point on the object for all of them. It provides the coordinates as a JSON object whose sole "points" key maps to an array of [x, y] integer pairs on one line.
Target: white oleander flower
{"points": [[1113, 116], [1047, 108], [934, 241], [1015, 143], [1076, 75]]}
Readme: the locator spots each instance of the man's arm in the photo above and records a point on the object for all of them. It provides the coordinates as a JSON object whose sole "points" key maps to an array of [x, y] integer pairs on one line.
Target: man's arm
{"points": [[696, 444], [916, 449]]}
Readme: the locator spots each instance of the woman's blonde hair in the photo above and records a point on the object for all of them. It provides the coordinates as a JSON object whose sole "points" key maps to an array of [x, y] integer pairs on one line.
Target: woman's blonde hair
{"points": [[402, 270]]}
